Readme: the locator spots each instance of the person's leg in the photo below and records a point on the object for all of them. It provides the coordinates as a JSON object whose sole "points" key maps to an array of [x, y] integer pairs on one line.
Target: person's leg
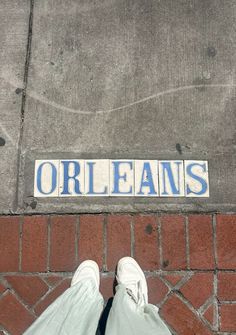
{"points": [[77, 310], [130, 313]]}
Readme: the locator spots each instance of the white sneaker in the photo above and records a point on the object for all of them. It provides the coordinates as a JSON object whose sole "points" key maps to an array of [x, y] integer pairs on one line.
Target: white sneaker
{"points": [[87, 270], [131, 275]]}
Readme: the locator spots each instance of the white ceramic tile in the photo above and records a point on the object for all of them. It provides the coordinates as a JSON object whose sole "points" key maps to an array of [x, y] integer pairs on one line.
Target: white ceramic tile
{"points": [[146, 178], [171, 178], [46, 178], [97, 177], [121, 177], [196, 179], [71, 182]]}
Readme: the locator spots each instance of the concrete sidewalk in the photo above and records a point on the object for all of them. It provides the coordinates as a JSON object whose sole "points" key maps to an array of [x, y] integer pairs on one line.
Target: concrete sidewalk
{"points": [[117, 79]]}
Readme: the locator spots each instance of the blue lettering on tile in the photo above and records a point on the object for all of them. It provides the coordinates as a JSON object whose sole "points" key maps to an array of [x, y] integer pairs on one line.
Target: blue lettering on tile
{"points": [[118, 177], [53, 178], [148, 181], [91, 180], [66, 165], [199, 179], [175, 189]]}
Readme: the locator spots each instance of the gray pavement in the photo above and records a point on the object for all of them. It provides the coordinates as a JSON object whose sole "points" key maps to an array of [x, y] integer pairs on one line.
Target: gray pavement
{"points": [[14, 17], [118, 79]]}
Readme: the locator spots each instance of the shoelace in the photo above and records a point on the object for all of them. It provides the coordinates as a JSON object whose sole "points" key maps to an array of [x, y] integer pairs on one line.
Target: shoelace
{"points": [[133, 287]]}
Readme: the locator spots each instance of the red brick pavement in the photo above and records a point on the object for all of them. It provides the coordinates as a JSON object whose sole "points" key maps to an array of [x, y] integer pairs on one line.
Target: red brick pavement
{"points": [[190, 264]]}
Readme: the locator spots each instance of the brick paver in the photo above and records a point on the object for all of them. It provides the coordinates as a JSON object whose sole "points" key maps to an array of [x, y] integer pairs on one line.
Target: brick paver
{"points": [[157, 290], [227, 286], [9, 244], [13, 315], [34, 243], [173, 242], [181, 318], [199, 299], [29, 288], [227, 318], [146, 249], [226, 241], [63, 243], [90, 241], [201, 252], [209, 314], [198, 289]]}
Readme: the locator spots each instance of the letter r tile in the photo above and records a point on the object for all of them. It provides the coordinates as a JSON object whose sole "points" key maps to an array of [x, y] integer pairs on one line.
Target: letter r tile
{"points": [[71, 183]]}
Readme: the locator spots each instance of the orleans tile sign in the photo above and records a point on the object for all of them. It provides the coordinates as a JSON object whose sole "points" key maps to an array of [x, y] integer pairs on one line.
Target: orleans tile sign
{"points": [[121, 177]]}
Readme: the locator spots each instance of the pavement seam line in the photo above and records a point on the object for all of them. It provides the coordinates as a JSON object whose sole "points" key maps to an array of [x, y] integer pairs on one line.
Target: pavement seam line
{"points": [[20, 164]]}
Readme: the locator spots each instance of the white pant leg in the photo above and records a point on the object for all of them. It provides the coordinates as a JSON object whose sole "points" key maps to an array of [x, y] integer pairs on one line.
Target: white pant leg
{"points": [[75, 312], [127, 318]]}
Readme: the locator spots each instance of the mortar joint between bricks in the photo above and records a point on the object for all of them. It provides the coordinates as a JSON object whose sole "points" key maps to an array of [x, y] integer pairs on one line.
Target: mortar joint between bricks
{"points": [[206, 304], [165, 299], [227, 302], [50, 289], [49, 242], [159, 239], [21, 221], [104, 265], [218, 313], [186, 223], [196, 312], [214, 240], [18, 297], [77, 223], [216, 321]]}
